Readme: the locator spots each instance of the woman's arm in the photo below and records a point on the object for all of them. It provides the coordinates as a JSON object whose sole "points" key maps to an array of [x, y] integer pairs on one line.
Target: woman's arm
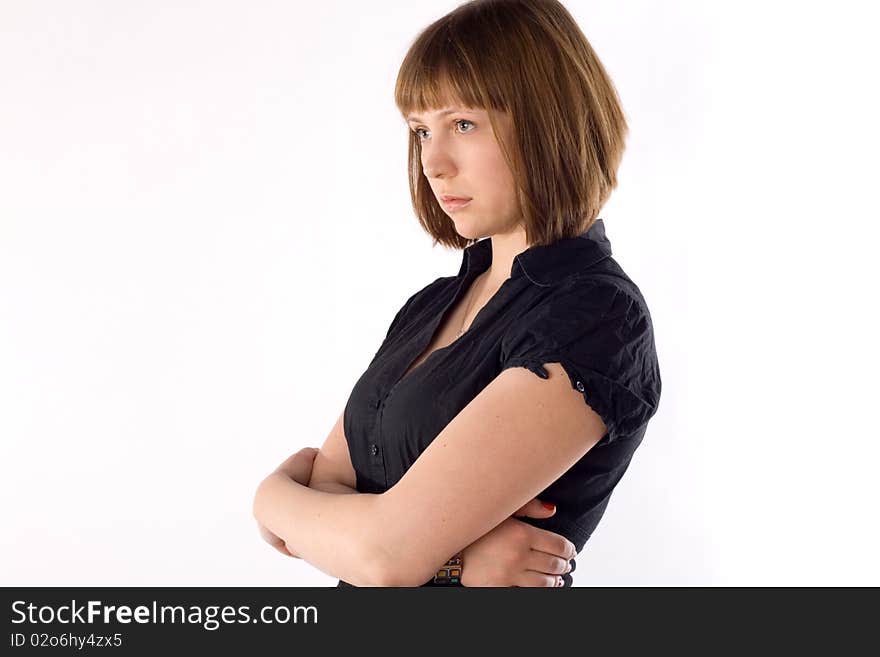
{"points": [[333, 487], [279, 544], [512, 554], [327, 470], [335, 533], [521, 434]]}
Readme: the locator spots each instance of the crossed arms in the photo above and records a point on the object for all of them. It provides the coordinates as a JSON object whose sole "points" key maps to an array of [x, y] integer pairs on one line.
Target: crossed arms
{"points": [[520, 434]]}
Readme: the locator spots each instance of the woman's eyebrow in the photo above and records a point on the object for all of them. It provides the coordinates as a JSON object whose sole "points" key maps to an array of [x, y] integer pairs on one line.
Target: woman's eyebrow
{"points": [[452, 110]]}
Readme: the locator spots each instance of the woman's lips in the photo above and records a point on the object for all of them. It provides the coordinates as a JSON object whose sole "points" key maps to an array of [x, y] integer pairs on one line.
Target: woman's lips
{"points": [[454, 204]]}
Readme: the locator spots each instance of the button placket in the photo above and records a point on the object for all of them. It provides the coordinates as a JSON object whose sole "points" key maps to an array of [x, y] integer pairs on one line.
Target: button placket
{"points": [[377, 454]]}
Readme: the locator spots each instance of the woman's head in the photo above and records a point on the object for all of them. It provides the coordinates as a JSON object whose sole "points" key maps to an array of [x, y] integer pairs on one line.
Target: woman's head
{"points": [[540, 134]]}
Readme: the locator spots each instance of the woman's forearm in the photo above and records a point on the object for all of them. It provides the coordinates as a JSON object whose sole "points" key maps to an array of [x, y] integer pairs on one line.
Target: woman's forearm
{"points": [[333, 487], [332, 532]]}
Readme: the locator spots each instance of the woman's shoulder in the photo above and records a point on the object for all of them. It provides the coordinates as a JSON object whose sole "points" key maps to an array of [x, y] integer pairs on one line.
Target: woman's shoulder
{"points": [[426, 295], [597, 325], [434, 286], [423, 297], [599, 283]]}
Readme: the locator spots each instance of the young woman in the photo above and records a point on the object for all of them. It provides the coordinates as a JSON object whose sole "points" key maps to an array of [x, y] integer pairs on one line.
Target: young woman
{"points": [[532, 373]]}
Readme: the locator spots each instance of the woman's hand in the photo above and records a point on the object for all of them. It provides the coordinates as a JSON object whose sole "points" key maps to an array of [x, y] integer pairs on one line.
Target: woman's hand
{"points": [[517, 554], [276, 542], [299, 468]]}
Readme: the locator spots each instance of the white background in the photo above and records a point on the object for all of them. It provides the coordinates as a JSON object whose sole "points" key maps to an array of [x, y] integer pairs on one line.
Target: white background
{"points": [[205, 230]]}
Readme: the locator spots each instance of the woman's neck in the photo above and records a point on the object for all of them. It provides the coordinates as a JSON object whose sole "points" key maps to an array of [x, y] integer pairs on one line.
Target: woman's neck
{"points": [[505, 247]]}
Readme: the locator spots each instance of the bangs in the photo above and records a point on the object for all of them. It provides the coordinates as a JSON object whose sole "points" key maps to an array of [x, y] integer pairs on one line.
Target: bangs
{"points": [[553, 110], [437, 73]]}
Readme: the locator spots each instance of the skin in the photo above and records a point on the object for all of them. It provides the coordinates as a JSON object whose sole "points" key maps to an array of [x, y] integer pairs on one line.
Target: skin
{"points": [[460, 156], [512, 554]]}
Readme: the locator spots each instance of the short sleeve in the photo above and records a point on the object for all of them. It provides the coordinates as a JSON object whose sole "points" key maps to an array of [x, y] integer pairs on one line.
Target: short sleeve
{"points": [[603, 336]]}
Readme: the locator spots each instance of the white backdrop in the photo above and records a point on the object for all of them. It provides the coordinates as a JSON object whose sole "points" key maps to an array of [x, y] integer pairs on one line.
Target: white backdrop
{"points": [[205, 230]]}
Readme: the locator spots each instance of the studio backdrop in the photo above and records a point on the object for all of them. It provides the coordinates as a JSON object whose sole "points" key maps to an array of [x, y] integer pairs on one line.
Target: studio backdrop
{"points": [[206, 229]]}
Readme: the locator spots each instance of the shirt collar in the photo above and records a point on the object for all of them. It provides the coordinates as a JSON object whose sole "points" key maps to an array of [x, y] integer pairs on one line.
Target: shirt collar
{"points": [[546, 265]]}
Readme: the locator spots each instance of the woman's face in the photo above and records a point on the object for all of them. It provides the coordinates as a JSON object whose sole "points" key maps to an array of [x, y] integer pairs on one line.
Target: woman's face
{"points": [[461, 157]]}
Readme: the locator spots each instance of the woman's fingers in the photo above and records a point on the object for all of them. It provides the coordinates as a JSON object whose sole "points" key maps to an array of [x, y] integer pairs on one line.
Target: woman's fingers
{"points": [[552, 543], [549, 564], [281, 548], [299, 466], [534, 578], [276, 542], [542, 539], [268, 536], [535, 508]]}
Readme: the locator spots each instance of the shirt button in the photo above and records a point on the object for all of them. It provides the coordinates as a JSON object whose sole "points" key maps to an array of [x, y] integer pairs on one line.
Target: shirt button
{"points": [[374, 449], [579, 386]]}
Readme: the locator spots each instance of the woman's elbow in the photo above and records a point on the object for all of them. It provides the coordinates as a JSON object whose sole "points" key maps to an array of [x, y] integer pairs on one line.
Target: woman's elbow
{"points": [[395, 579], [392, 561], [397, 572], [374, 571]]}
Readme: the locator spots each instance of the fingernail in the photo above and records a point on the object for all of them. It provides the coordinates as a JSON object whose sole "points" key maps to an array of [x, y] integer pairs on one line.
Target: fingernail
{"points": [[548, 505], [568, 568], [559, 581]]}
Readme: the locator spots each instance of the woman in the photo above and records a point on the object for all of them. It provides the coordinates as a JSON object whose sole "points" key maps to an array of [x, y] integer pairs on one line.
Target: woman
{"points": [[530, 374]]}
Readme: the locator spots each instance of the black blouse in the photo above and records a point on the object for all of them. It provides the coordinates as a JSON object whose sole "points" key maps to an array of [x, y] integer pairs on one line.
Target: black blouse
{"points": [[569, 302]]}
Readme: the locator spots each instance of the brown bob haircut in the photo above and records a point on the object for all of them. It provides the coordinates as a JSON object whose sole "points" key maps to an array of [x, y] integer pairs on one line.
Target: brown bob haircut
{"points": [[530, 60]]}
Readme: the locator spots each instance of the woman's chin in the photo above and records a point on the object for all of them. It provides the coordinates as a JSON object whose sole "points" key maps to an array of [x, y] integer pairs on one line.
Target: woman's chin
{"points": [[466, 229]]}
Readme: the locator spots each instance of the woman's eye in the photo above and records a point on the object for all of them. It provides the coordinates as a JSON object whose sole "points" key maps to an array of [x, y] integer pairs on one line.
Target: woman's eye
{"points": [[418, 131]]}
